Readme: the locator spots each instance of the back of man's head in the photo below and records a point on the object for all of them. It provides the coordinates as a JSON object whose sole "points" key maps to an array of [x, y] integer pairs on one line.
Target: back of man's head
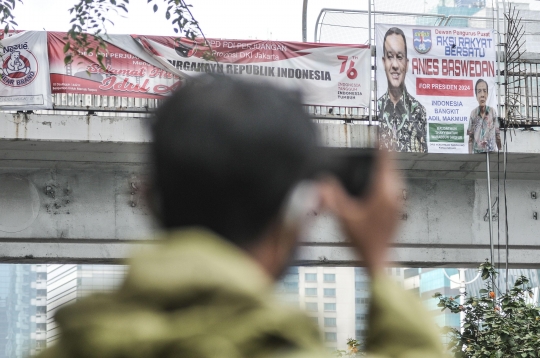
{"points": [[226, 154]]}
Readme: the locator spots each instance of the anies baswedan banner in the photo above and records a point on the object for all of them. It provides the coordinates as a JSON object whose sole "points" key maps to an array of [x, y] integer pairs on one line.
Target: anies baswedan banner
{"points": [[125, 74], [24, 81], [326, 74], [436, 89]]}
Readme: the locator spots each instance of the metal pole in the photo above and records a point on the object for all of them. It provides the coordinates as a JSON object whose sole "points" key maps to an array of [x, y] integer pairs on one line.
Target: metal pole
{"points": [[505, 146], [370, 66], [304, 21], [498, 51], [461, 298], [497, 59], [489, 209]]}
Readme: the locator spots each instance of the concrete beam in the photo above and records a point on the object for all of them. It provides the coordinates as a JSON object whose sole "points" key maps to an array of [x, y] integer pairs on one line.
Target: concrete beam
{"points": [[72, 188], [106, 252]]}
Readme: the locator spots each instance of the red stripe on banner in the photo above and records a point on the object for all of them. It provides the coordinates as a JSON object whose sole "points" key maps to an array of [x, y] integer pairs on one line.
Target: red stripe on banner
{"points": [[444, 87]]}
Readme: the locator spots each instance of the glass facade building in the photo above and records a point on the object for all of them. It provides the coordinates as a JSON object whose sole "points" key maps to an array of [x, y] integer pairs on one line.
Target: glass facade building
{"points": [[67, 283], [22, 309], [425, 283]]}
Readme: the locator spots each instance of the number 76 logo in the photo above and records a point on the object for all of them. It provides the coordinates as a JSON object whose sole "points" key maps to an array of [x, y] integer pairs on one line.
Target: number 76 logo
{"points": [[351, 72]]}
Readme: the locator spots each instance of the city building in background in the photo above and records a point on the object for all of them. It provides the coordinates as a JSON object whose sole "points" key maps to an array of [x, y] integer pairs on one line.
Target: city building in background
{"points": [[5, 279], [327, 295], [22, 310], [38, 284], [428, 281], [337, 298], [67, 283]]}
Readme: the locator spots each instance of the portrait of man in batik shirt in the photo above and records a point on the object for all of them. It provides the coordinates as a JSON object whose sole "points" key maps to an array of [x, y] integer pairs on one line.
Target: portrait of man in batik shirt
{"points": [[483, 131], [402, 119]]}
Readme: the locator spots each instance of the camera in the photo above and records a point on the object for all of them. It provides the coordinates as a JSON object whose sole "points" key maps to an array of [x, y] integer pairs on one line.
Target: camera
{"points": [[353, 167]]}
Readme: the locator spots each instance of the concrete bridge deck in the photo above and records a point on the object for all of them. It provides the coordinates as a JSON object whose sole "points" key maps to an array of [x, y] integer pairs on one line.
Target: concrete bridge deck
{"points": [[72, 188]]}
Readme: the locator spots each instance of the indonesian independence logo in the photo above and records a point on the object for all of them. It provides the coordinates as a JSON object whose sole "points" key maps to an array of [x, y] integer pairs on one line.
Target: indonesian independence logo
{"points": [[19, 65], [422, 40]]}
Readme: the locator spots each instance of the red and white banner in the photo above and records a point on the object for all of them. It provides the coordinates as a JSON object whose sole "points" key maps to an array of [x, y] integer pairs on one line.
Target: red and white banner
{"points": [[33, 68], [326, 74], [24, 82], [125, 74]]}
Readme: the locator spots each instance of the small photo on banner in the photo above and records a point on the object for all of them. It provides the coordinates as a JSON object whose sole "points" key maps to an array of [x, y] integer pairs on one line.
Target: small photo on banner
{"points": [[436, 89], [24, 73]]}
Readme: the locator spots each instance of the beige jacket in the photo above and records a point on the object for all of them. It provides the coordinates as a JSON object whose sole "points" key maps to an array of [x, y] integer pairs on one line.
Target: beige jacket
{"points": [[195, 295]]}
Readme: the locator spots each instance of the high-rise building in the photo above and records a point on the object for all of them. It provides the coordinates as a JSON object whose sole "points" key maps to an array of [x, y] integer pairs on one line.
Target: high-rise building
{"points": [[23, 310], [428, 281], [327, 294], [5, 279], [39, 318], [67, 283], [361, 298], [337, 299]]}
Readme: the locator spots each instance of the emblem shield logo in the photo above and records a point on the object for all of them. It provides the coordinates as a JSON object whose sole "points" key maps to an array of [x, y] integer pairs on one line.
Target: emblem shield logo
{"points": [[422, 40]]}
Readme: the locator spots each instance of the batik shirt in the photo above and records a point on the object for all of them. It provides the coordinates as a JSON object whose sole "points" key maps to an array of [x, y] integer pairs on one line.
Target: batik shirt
{"points": [[483, 131], [402, 127]]}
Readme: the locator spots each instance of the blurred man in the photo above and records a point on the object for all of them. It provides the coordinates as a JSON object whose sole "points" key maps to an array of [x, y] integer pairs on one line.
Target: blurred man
{"points": [[233, 178], [402, 119], [484, 133]]}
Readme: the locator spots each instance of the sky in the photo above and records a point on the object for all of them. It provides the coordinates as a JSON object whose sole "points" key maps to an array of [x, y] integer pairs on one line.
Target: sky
{"points": [[227, 19], [230, 19]]}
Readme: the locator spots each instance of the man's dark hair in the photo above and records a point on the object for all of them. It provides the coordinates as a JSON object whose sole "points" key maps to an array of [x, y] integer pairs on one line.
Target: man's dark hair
{"points": [[477, 83], [394, 31], [226, 154]]}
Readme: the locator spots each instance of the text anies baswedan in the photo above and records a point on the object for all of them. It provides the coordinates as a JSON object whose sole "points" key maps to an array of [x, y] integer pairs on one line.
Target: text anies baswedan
{"points": [[457, 43], [256, 70]]}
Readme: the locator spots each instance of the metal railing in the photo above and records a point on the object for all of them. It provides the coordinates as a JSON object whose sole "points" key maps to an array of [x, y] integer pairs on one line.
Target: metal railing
{"points": [[360, 24]]}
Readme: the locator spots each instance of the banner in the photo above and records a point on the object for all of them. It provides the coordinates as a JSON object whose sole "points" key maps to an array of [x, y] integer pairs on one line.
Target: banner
{"points": [[125, 74], [24, 82], [436, 89], [326, 74]]}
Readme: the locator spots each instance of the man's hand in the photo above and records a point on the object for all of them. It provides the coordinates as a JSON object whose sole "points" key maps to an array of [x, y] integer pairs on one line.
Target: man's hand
{"points": [[369, 222]]}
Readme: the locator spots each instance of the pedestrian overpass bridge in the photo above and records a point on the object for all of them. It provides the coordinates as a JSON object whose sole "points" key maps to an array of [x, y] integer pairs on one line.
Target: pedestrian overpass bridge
{"points": [[72, 190]]}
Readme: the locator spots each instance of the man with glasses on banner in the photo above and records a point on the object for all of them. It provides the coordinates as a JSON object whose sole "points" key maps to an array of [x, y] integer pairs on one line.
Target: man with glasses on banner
{"points": [[483, 131], [402, 119]]}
